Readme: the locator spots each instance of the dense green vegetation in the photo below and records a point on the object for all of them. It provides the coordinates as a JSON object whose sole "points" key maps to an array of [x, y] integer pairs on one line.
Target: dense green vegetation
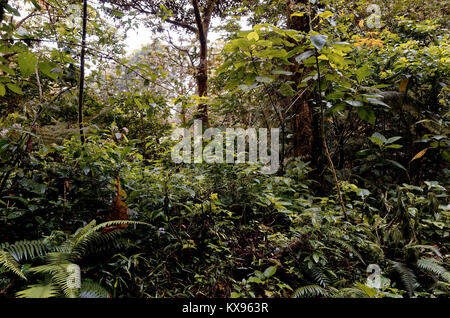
{"points": [[358, 208]]}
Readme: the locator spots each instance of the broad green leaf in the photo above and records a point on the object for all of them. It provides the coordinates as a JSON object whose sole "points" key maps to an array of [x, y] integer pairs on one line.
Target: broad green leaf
{"points": [[27, 63], [396, 164], [281, 72], [253, 36], [337, 59], [393, 139], [286, 90], [49, 69], [325, 14], [318, 41], [256, 280], [2, 90], [362, 192], [394, 146], [14, 88], [264, 79], [376, 140], [377, 102], [354, 103], [362, 73], [304, 56], [270, 271], [316, 257], [380, 137], [8, 70], [271, 53], [367, 114], [371, 292]]}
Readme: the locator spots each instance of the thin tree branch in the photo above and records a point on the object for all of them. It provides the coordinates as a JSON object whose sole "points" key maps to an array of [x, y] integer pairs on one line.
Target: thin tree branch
{"points": [[324, 137]]}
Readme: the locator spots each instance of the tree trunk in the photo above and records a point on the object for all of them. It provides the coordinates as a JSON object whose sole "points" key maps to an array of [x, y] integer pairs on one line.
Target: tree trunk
{"points": [[202, 83], [2, 10], [304, 126], [202, 68]]}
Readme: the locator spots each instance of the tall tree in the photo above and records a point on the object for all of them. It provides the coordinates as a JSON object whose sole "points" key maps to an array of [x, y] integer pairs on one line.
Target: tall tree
{"points": [[192, 16]]}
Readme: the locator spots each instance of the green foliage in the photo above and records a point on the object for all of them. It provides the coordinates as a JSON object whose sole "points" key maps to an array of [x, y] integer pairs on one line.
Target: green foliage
{"points": [[7, 261], [221, 230]]}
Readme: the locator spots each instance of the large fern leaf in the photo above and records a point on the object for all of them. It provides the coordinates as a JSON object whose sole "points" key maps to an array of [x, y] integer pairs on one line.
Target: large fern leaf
{"points": [[25, 250], [407, 276], [433, 266], [39, 291], [319, 276], [90, 289], [8, 262]]}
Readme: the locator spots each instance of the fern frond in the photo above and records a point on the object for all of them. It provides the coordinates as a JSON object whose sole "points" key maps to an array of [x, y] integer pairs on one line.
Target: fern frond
{"points": [[51, 269], [97, 242], [431, 265], [310, 291], [90, 289], [349, 247], [61, 280], [430, 247], [39, 291], [25, 250], [81, 232], [319, 276], [59, 276], [115, 222], [57, 258], [443, 286], [8, 262], [351, 292], [407, 276]]}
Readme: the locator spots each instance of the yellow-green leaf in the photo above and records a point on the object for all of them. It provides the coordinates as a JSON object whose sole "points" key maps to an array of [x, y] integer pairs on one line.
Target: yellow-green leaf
{"points": [[253, 36], [14, 88], [298, 14], [420, 154], [325, 14]]}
